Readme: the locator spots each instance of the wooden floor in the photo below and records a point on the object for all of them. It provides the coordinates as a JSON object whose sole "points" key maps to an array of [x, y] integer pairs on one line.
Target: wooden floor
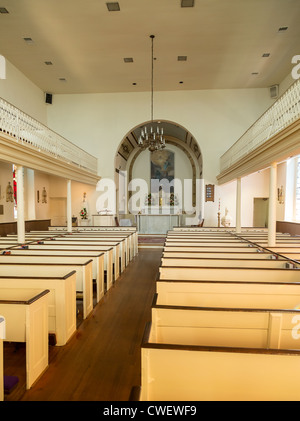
{"points": [[102, 361]]}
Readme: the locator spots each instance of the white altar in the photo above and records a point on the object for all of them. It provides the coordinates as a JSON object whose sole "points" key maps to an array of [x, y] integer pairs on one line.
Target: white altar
{"points": [[157, 223], [103, 220]]}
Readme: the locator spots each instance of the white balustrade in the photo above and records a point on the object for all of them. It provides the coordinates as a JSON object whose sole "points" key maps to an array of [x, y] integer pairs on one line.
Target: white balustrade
{"points": [[30, 132], [279, 116]]}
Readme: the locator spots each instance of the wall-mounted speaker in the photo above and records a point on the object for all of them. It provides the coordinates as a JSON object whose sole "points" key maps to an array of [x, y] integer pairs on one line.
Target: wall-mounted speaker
{"points": [[274, 91], [48, 98]]}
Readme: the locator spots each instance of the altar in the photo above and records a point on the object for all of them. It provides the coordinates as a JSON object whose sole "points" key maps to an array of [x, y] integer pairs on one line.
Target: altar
{"points": [[157, 223]]}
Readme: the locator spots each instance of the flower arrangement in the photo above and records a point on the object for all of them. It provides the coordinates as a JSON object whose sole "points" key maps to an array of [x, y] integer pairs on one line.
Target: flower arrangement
{"points": [[149, 200], [83, 213], [173, 200]]}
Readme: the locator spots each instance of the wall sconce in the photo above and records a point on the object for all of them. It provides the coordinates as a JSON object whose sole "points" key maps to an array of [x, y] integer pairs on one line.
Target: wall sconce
{"points": [[280, 195]]}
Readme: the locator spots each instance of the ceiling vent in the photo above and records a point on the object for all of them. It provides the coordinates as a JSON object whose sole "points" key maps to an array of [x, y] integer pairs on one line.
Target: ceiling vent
{"points": [[3, 10], [182, 58], [113, 6], [128, 60], [187, 3], [28, 40]]}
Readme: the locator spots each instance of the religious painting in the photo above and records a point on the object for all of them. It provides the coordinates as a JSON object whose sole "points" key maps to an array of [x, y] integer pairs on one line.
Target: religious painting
{"points": [[162, 165]]}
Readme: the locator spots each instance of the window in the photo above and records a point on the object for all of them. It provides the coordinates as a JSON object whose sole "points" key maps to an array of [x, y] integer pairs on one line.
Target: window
{"points": [[15, 191]]}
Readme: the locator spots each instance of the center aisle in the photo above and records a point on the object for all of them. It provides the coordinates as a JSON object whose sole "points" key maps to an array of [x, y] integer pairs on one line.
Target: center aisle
{"points": [[102, 361]]}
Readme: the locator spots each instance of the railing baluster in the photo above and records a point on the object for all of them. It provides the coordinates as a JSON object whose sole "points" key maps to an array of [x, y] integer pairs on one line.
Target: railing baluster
{"points": [[282, 113], [27, 130]]}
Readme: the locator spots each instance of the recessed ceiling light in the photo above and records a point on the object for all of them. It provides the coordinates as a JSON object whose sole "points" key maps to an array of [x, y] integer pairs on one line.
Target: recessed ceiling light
{"points": [[28, 40], [48, 63], [113, 6], [187, 3], [128, 60], [134, 83], [3, 10], [283, 28], [182, 58], [181, 81], [266, 55]]}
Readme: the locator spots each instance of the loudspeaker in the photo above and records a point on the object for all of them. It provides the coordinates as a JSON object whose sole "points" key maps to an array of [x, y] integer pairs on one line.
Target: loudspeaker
{"points": [[274, 91], [48, 98]]}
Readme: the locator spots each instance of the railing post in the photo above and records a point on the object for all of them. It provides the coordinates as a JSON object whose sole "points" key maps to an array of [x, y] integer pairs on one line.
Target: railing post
{"points": [[272, 206], [20, 204]]}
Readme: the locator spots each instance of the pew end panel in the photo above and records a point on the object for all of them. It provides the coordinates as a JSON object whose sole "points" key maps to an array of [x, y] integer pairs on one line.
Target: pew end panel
{"points": [[26, 315]]}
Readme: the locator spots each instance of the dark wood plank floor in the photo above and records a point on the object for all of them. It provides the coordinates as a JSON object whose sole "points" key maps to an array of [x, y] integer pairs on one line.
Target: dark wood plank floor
{"points": [[102, 360]]}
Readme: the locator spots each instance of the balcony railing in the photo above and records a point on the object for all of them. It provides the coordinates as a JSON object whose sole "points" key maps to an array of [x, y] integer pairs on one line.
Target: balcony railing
{"points": [[279, 116], [30, 132]]}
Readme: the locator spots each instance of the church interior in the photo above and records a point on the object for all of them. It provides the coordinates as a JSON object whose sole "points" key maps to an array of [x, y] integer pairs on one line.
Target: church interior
{"points": [[149, 200]]}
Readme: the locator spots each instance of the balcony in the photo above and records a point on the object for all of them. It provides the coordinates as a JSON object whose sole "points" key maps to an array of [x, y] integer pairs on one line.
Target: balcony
{"points": [[27, 136], [277, 125]]}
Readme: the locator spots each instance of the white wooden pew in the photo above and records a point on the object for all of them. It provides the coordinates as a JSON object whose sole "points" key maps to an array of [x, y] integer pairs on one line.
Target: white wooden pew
{"points": [[46, 265], [26, 315], [194, 373], [96, 245], [123, 244], [204, 241], [194, 247], [250, 274], [62, 299], [58, 255], [2, 336], [98, 229], [261, 328], [131, 238], [228, 293], [63, 248], [214, 262], [124, 241], [224, 255]]}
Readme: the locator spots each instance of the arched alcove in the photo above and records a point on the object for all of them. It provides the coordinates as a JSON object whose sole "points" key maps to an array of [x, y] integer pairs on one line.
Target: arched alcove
{"points": [[178, 138]]}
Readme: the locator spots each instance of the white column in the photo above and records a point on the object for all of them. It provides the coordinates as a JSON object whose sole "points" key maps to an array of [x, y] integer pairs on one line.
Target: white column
{"points": [[238, 205], [69, 206], [272, 206], [31, 213], [20, 204]]}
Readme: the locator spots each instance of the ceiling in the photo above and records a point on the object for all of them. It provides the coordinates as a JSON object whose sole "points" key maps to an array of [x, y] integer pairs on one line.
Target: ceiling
{"points": [[223, 40]]}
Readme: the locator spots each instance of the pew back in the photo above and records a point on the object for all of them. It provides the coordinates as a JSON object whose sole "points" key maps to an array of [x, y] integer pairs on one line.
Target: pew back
{"points": [[226, 327], [185, 373], [61, 300], [238, 274]]}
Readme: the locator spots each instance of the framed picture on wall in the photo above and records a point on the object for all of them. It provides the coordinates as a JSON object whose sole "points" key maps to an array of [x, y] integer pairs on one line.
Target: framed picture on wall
{"points": [[209, 193], [162, 165]]}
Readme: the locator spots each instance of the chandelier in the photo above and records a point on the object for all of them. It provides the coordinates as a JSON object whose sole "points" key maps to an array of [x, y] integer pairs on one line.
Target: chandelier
{"points": [[152, 138]]}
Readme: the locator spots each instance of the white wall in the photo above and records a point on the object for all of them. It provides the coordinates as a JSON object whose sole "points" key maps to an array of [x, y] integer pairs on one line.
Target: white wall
{"points": [[19, 91], [99, 122]]}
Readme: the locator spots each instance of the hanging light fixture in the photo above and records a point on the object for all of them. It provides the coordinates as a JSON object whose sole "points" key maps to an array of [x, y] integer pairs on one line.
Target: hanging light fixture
{"points": [[152, 138]]}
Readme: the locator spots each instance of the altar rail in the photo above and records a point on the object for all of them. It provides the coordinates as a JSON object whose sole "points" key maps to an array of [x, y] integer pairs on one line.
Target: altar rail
{"points": [[30, 132], [279, 116]]}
